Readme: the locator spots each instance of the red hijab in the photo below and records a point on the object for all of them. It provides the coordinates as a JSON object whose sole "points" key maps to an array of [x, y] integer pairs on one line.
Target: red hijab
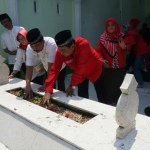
{"points": [[23, 33], [134, 22], [133, 31], [110, 40]]}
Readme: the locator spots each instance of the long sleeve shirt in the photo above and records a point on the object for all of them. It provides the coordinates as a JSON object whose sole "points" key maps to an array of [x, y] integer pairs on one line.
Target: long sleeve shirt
{"points": [[85, 62], [133, 38], [47, 55], [8, 40], [114, 62], [21, 58]]}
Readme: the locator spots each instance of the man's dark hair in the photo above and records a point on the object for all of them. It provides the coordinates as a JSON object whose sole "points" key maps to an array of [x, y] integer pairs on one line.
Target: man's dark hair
{"points": [[5, 16], [10, 19]]}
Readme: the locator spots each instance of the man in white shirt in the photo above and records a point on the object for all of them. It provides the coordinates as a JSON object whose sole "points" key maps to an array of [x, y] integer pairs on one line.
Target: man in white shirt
{"points": [[8, 39], [45, 49]]}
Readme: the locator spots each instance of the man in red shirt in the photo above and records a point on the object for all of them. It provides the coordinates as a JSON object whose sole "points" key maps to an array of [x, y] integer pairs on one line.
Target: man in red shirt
{"points": [[78, 54]]}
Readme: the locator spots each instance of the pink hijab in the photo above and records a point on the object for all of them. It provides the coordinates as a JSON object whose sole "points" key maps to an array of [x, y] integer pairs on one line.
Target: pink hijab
{"points": [[23, 33]]}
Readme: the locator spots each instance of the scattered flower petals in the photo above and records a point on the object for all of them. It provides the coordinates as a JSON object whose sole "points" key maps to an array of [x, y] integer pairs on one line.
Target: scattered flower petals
{"points": [[67, 115]]}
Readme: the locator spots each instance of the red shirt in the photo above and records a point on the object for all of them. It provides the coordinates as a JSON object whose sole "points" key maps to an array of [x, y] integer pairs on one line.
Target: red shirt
{"points": [[105, 55], [85, 62], [133, 38]]}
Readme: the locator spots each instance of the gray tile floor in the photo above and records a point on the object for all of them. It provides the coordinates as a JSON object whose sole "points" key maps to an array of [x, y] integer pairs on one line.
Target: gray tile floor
{"points": [[144, 97], [144, 94]]}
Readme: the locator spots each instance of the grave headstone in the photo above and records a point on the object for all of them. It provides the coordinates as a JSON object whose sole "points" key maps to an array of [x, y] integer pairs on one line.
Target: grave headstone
{"points": [[127, 106], [4, 71]]}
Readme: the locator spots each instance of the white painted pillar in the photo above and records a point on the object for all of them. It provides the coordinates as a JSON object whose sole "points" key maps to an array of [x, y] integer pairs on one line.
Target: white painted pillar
{"points": [[12, 10], [77, 18]]}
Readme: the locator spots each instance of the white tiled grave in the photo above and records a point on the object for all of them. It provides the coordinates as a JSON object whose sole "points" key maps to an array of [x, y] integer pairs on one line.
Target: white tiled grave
{"points": [[3, 147], [26, 126]]}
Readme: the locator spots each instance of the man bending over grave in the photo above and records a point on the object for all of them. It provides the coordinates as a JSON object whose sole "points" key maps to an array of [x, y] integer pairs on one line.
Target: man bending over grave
{"points": [[78, 54], [43, 48]]}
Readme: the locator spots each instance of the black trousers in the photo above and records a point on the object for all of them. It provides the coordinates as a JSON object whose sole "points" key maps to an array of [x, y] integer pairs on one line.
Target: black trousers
{"points": [[61, 80], [130, 60], [100, 89], [113, 79], [39, 80], [23, 67], [83, 89]]}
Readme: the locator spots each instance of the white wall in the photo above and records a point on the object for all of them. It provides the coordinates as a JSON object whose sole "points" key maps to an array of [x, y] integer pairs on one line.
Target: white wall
{"points": [[94, 14]]}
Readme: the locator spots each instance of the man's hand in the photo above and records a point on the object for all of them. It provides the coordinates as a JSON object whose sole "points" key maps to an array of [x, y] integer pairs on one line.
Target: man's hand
{"points": [[13, 52], [41, 89], [11, 76], [7, 51], [105, 63], [127, 53], [122, 44], [46, 99], [70, 91], [28, 93]]}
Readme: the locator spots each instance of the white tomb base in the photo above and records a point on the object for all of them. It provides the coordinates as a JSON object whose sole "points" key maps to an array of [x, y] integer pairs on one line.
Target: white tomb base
{"points": [[26, 126]]}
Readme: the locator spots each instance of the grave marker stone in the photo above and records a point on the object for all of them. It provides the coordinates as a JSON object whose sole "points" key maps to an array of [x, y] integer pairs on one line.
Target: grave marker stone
{"points": [[127, 106], [4, 71]]}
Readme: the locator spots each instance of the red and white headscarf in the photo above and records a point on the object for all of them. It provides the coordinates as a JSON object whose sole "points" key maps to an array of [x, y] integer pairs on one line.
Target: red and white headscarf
{"points": [[23, 33], [110, 40]]}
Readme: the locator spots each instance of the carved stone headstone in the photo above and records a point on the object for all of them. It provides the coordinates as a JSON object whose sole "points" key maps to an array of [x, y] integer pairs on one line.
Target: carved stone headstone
{"points": [[127, 106], [4, 71]]}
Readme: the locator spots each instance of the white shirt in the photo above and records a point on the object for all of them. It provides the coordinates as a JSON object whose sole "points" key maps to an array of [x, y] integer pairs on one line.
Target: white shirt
{"points": [[47, 55], [21, 57], [8, 40]]}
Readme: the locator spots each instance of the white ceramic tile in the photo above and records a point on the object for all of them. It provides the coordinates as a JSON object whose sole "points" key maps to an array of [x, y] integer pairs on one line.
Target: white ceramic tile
{"points": [[63, 133], [3, 147]]}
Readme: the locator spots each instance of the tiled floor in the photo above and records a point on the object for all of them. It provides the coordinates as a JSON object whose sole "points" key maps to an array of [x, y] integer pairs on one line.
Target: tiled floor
{"points": [[144, 94], [3, 147], [144, 97]]}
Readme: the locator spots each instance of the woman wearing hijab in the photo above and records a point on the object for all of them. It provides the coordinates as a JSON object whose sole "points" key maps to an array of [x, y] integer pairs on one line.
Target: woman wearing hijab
{"points": [[113, 59], [133, 41], [37, 76]]}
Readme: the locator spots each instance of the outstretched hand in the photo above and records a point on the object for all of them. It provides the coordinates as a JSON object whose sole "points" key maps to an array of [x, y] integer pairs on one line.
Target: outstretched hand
{"points": [[70, 91], [122, 43], [46, 99], [41, 89], [10, 76], [28, 93], [105, 63]]}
